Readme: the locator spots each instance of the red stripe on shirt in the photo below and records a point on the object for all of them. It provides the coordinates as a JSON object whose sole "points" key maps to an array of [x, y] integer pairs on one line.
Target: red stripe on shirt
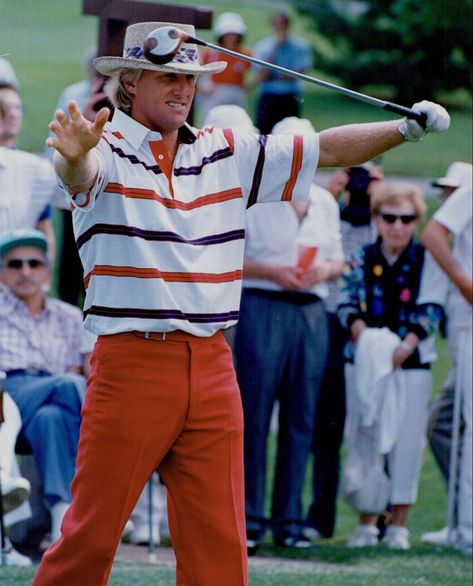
{"points": [[228, 134], [295, 168], [79, 205], [170, 277], [138, 193]]}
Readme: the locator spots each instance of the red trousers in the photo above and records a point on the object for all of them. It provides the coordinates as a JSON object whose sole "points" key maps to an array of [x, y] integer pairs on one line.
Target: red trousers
{"points": [[172, 405]]}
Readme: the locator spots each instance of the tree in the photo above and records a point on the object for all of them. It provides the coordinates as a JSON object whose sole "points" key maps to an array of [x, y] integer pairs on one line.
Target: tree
{"points": [[417, 48]]}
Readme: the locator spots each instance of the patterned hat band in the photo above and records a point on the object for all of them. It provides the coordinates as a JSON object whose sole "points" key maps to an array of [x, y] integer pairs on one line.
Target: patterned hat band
{"points": [[184, 54]]}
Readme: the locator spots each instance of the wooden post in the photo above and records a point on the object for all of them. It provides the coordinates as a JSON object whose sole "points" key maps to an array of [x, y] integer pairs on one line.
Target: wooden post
{"points": [[116, 15]]}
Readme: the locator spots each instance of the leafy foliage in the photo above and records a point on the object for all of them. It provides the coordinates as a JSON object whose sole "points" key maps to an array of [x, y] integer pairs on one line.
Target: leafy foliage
{"points": [[415, 49]]}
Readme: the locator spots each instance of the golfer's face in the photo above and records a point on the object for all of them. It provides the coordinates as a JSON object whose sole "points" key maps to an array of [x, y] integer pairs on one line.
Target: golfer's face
{"points": [[161, 101]]}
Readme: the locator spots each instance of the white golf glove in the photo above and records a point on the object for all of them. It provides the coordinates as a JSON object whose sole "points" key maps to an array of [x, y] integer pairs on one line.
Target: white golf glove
{"points": [[438, 120]]}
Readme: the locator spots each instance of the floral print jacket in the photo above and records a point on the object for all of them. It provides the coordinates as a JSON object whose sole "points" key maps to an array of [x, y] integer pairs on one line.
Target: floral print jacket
{"points": [[385, 295]]}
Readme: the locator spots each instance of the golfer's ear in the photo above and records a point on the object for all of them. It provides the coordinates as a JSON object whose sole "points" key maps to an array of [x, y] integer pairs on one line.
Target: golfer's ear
{"points": [[130, 87]]}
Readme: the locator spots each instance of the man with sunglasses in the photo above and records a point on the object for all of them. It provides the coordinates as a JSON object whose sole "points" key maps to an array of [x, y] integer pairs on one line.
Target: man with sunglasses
{"points": [[40, 341]]}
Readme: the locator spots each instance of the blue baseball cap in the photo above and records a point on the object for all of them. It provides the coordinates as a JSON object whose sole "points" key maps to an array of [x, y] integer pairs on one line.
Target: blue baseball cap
{"points": [[22, 237]]}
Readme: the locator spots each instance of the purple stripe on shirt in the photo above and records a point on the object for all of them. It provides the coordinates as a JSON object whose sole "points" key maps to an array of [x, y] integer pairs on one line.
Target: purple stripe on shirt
{"points": [[134, 159], [134, 312], [157, 236], [258, 174], [213, 158]]}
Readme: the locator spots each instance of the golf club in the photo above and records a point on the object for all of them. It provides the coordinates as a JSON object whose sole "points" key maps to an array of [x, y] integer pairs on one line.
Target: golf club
{"points": [[163, 43]]}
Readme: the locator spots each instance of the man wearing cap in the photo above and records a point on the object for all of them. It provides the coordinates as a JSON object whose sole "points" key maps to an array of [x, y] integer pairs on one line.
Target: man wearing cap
{"points": [[454, 218], [40, 342], [159, 220]]}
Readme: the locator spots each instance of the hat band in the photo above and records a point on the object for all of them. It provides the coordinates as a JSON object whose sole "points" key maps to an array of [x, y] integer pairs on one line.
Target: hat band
{"points": [[184, 55]]}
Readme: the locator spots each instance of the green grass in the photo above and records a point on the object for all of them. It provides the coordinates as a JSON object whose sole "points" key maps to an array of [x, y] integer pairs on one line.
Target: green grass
{"points": [[424, 566]]}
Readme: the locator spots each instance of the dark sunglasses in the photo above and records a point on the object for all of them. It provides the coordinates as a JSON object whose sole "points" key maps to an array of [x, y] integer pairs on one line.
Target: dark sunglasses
{"points": [[391, 218], [17, 263]]}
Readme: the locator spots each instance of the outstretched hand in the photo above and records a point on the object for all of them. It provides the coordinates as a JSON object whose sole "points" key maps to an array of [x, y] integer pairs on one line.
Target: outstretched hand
{"points": [[74, 134]]}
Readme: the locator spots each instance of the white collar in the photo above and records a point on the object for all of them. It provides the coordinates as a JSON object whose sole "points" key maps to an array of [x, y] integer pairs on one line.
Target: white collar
{"points": [[135, 133]]}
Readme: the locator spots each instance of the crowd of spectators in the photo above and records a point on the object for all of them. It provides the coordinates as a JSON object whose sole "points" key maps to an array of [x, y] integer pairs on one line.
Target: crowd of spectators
{"points": [[324, 351]]}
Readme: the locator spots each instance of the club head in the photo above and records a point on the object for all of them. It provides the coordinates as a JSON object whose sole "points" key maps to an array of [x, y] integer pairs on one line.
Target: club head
{"points": [[162, 44]]}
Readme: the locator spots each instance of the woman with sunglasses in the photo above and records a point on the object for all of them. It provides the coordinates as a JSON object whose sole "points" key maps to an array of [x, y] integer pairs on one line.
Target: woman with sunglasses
{"points": [[381, 287]]}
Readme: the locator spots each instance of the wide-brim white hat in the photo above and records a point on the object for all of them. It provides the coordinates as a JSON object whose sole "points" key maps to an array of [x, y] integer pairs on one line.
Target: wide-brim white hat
{"points": [[185, 61]]}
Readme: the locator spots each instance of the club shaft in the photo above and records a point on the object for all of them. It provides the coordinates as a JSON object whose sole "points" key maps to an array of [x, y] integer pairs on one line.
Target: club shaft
{"points": [[397, 109]]}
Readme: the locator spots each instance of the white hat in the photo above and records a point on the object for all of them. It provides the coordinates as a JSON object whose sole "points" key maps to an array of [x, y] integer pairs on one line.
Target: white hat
{"points": [[293, 125], [229, 116], [458, 174], [185, 61], [229, 22], [7, 74]]}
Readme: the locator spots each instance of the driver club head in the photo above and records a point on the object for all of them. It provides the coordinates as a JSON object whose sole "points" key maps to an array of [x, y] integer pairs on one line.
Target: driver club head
{"points": [[162, 44]]}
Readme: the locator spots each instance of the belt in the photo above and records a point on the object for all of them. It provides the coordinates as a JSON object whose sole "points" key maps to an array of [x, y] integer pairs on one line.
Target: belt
{"points": [[28, 371], [296, 297], [177, 335]]}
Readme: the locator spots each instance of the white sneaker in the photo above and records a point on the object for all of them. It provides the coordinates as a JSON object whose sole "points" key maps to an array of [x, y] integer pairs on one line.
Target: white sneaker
{"points": [[15, 491], [396, 537], [364, 536], [311, 533], [439, 537], [15, 558]]}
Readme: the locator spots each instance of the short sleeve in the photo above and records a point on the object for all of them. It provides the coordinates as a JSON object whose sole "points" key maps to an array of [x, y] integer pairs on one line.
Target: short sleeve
{"points": [[275, 168], [456, 212]]}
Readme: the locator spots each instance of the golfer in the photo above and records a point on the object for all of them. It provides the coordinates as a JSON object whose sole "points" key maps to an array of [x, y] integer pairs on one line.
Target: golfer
{"points": [[159, 217]]}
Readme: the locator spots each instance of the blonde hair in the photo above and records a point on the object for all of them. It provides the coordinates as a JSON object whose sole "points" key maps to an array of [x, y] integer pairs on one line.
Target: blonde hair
{"points": [[397, 193], [116, 90]]}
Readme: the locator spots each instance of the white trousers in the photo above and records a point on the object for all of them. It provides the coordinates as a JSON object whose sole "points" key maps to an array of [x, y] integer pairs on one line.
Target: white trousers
{"points": [[405, 459]]}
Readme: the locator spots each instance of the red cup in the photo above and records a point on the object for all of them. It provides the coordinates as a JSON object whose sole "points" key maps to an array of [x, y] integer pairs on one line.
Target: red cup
{"points": [[306, 258]]}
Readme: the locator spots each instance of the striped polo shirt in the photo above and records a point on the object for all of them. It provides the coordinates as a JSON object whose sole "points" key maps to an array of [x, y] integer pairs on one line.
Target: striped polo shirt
{"points": [[162, 243]]}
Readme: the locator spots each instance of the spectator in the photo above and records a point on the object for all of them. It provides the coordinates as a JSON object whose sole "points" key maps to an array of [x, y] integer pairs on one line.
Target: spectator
{"points": [[159, 212], [28, 184], [15, 489], [12, 108], [354, 187], [392, 314], [228, 86], [454, 218], [280, 95], [40, 353], [441, 416], [278, 296], [8, 75]]}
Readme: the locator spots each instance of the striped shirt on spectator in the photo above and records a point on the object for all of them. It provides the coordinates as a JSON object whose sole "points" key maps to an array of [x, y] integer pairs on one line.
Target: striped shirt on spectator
{"points": [[49, 341], [162, 245]]}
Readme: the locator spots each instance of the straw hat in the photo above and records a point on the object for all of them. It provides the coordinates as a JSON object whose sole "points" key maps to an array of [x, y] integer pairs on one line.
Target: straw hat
{"points": [[185, 61]]}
